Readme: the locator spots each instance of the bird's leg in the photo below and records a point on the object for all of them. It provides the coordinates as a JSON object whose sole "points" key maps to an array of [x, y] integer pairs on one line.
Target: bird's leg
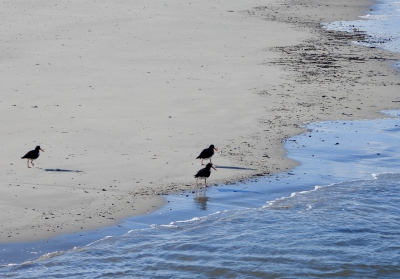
{"points": [[202, 162], [32, 163], [27, 163], [205, 184], [197, 186]]}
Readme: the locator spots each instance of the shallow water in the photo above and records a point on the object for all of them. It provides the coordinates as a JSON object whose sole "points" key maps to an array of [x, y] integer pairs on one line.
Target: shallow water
{"points": [[347, 230], [381, 25]]}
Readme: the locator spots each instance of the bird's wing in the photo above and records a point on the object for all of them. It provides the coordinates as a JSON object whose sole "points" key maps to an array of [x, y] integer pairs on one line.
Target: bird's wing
{"points": [[28, 155], [200, 172]]}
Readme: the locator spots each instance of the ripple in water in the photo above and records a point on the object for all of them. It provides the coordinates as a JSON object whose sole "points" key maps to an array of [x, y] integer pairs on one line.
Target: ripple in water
{"points": [[345, 230]]}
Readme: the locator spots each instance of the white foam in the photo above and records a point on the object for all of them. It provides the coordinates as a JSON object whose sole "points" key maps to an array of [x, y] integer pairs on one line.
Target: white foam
{"points": [[94, 242], [170, 226], [194, 219]]}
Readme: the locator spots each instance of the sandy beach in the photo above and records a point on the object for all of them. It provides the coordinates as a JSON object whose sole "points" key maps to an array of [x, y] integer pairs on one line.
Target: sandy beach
{"points": [[123, 98]]}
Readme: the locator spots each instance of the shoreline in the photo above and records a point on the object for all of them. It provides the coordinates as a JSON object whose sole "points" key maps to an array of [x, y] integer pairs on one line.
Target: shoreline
{"points": [[330, 95], [253, 195]]}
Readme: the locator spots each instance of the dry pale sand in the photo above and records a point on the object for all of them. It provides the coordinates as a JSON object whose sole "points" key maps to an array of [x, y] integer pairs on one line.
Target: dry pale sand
{"points": [[123, 97]]}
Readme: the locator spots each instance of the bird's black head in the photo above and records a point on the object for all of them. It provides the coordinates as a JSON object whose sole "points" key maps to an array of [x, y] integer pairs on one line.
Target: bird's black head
{"points": [[213, 147], [209, 166], [37, 148]]}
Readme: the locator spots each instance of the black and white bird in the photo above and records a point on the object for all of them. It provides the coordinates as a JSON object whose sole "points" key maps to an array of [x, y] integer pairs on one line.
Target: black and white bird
{"points": [[204, 174], [32, 155], [207, 153]]}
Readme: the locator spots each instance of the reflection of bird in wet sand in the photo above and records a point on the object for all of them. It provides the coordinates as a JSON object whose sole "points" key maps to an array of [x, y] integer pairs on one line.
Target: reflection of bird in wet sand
{"points": [[201, 200], [207, 153], [32, 155], [204, 174]]}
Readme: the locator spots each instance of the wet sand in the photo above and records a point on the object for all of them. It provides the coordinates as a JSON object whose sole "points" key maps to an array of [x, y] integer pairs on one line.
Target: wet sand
{"points": [[123, 99]]}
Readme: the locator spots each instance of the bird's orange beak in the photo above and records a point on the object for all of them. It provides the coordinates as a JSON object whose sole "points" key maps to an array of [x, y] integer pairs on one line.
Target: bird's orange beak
{"points": [[42, 149], [213, 168], [216, 149]]}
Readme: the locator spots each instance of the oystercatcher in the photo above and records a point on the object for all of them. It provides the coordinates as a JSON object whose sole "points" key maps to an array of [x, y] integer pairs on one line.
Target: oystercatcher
{"points": [[204, 174], [32, 155], [207, 153]]}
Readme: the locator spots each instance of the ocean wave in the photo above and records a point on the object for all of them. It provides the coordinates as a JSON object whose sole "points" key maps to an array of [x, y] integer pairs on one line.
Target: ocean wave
{"points": [[302, 198]]}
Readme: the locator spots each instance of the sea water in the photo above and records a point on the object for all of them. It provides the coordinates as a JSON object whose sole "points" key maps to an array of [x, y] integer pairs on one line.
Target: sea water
{"points": [[336, 215], [381, 25]]}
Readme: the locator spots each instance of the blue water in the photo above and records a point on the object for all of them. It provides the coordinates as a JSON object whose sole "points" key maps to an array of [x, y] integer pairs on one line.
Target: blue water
{"points": [[336, 215], [347, 230], [381, 24]]}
